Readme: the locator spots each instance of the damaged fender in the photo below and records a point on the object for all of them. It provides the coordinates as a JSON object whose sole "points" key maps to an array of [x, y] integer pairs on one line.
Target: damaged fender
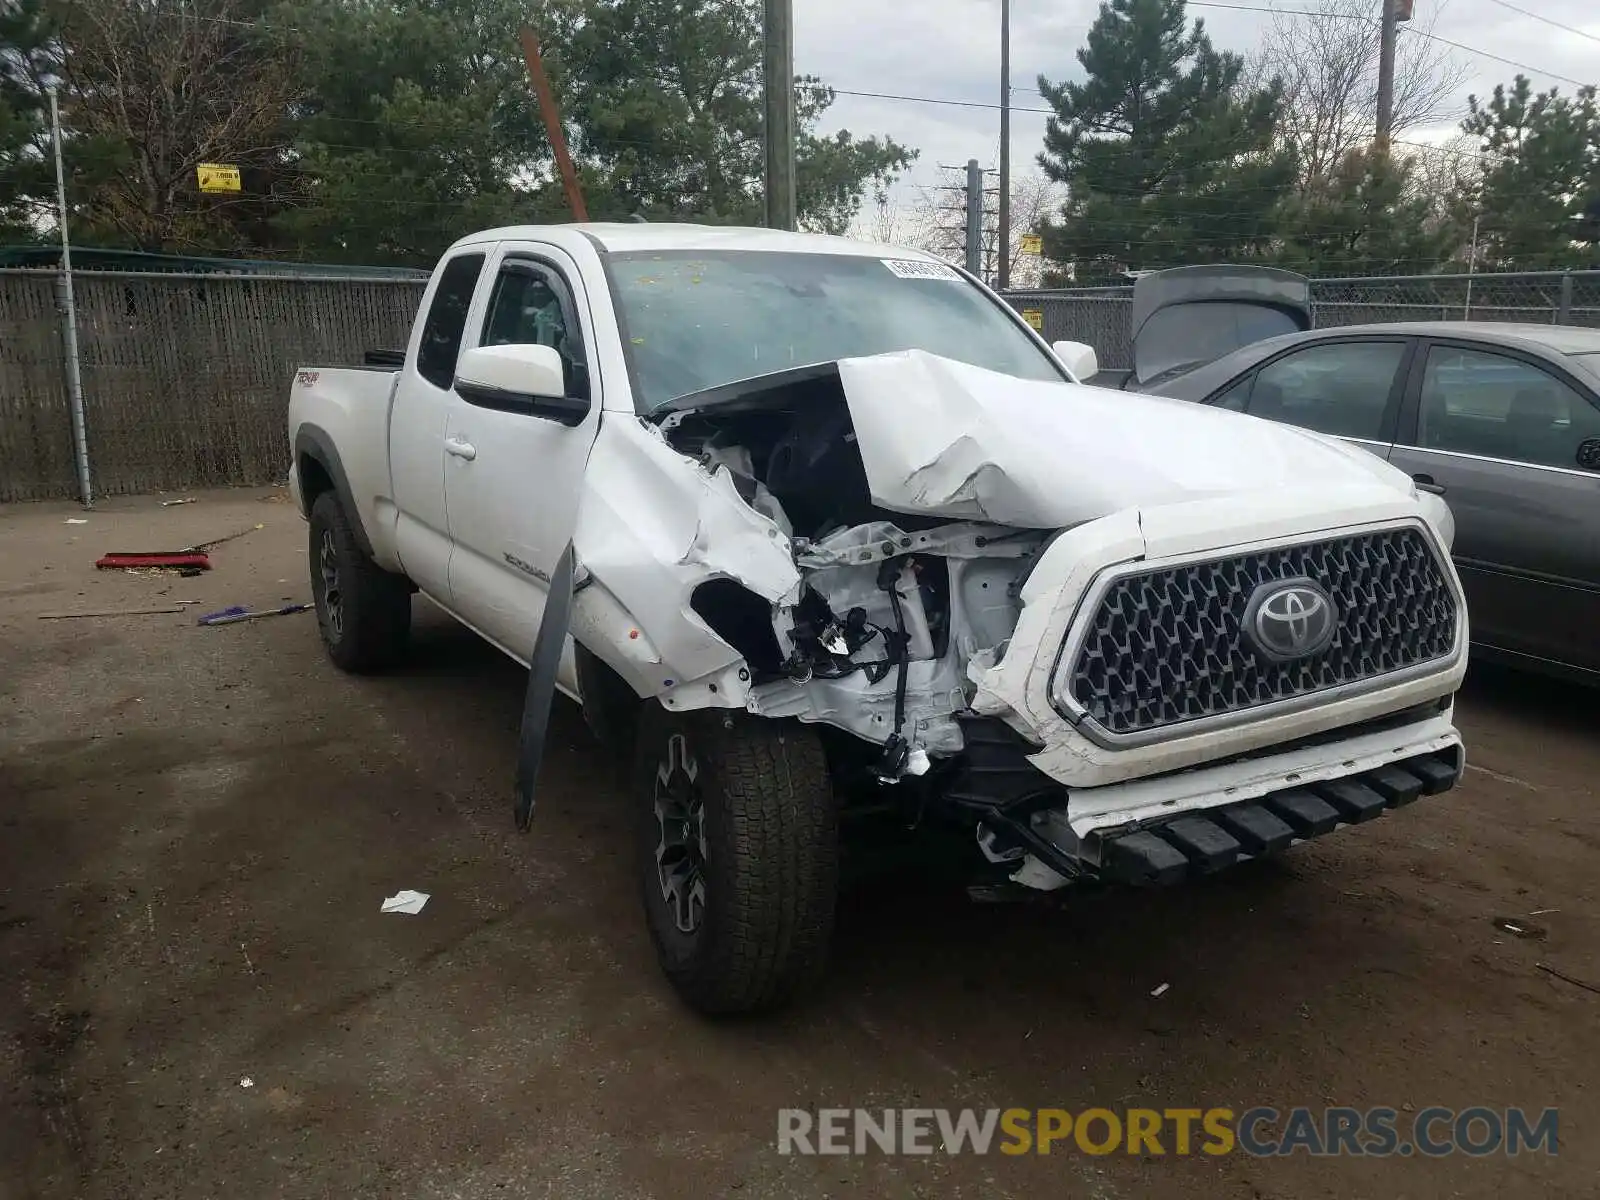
{"points": [[655, 525]]}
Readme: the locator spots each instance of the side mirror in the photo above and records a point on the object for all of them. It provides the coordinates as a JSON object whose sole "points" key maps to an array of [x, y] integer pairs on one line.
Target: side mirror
{"points": [[1078, 358], [527, 379]]}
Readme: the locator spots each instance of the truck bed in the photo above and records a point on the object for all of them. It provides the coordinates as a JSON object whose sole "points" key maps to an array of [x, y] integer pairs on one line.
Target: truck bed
{"points": [[345, 412]]}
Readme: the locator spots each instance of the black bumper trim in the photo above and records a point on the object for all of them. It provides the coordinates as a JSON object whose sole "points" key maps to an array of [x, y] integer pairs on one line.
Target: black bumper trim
{"points": [[1206, 846], [1169, 851], [1258, 831], [1308, 815]]}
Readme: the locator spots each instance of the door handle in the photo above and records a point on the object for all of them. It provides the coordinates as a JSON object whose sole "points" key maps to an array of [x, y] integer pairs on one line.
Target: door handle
{"points": [[1425, 483], [460, 449]]}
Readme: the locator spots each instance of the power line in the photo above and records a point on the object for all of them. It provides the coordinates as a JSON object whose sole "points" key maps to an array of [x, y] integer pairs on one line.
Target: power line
{"points": [[936, 100], [1540, 17], [1330, 16], [1510, 62], [904, 99], [1287, 12]]}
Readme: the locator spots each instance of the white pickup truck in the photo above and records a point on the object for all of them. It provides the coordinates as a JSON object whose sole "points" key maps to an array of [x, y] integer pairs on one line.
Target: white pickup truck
{"points": [[816, 526]]}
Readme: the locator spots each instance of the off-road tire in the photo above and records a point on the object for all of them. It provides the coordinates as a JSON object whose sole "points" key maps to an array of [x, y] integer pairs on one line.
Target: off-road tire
{"points": [[771, 864], [367, 625]]}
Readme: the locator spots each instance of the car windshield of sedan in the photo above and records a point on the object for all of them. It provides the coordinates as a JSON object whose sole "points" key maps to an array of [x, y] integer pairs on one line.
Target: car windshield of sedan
{"points": [[701, 319]]}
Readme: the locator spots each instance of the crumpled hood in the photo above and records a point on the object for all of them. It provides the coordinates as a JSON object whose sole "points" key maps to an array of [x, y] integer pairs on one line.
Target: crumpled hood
{"points": [[952, 440]]}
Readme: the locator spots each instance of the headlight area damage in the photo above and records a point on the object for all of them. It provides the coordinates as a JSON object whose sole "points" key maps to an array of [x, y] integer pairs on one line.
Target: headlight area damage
{"points": [[920, 555]]}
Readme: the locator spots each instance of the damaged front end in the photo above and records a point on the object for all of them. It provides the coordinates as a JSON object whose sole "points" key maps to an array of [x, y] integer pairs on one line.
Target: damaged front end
{"points": [[737, 549], [921, 555]]}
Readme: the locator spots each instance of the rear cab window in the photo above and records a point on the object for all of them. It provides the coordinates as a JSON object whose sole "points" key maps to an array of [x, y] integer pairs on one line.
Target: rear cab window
{"points": [[447, 319]]}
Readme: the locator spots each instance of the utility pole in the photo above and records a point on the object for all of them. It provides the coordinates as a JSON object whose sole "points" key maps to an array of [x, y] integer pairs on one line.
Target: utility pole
{"points": [[1003, 248], [975, 217], [551, 111], [778, 78], [1386, 38], [80, 440]]}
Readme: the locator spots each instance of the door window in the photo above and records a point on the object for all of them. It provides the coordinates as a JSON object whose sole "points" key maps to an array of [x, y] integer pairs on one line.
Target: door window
{"points": [[531, 306], [1476, 402], [447, 319], [1341, 389]]}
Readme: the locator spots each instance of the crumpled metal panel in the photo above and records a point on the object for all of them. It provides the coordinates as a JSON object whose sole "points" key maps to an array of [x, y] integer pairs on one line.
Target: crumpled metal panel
{"points": [[1168, 645]]}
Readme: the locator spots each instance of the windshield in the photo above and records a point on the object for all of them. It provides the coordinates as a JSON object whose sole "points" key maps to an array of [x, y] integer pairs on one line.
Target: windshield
{"points": [[696, 319]]}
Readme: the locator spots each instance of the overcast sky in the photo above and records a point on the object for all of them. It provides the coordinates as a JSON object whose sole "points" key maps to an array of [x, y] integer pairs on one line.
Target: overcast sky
{"points": [[950, 49]]}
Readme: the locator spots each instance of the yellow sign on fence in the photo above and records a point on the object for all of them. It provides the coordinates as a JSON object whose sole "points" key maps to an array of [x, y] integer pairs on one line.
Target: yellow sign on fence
{"points": [[218, 177], [1034, 317], [1032, 243]]}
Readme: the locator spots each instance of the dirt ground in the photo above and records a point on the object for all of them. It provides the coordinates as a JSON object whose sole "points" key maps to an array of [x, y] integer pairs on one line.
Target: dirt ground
{"points": [[198, 825]]}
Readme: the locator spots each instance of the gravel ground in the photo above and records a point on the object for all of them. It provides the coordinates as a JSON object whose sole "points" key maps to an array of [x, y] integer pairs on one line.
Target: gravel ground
{"points": [[197, 827]]}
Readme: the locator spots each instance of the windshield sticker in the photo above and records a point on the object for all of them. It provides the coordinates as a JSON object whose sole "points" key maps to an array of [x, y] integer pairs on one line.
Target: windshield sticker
{"points": [[907, 268]]}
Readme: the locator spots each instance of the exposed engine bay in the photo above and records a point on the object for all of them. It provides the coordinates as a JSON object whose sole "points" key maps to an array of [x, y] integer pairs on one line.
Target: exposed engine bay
{"points": [[893, 607]]}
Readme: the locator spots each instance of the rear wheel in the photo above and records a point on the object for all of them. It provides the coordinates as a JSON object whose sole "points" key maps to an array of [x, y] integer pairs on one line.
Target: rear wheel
{"points": [[363, 611], [738, 855]]}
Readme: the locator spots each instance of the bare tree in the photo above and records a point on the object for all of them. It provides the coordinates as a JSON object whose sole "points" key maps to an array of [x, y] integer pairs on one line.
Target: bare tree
{"points": [[1443, 175], [938, 216], [153, 89], [938, 221], [1327, 59], [885, 220], [1034, 199]]}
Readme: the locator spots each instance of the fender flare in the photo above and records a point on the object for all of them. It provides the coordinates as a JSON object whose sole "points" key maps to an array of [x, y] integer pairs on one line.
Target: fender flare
{"points": [[313, 442]]}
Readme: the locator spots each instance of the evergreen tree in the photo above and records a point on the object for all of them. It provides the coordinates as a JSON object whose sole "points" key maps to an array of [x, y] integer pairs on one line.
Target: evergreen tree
{"points": [[669, 108], [1366, 218], [1168, 157], [27, 56], [414, 126], [417, 123], [1540, 178]]}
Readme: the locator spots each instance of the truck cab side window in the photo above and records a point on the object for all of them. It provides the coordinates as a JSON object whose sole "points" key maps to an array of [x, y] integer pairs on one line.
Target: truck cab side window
{"points": [[447, 320], [532, 307]]}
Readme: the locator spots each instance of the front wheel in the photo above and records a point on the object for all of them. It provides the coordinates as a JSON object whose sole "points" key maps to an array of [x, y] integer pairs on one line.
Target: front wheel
{"points": [[363, 611], [738, 849]]}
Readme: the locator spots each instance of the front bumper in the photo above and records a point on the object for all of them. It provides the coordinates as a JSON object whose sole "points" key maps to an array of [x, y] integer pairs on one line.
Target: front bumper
{"points": [[1178, 848], [1166, 829]]}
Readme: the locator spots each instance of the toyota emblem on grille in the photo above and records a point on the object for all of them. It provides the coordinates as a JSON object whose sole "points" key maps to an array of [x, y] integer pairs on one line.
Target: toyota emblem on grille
{"points": [[1290, 619]]}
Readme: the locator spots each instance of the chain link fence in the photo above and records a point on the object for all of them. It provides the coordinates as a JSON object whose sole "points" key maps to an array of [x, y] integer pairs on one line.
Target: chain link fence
{"points": [[1100, 316], [185, 376]]}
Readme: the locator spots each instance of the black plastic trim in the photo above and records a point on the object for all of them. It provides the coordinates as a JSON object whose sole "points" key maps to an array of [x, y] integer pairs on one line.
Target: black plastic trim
{"points": [[313, 442], [1196, 843], [565, 410]]}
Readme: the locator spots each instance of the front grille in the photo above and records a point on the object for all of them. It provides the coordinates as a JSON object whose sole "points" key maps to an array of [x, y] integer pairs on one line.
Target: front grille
{"points": [[1167, 646]]}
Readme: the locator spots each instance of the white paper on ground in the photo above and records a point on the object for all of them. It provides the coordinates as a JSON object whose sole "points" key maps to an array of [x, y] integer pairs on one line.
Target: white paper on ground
{"points": [[405, 902]]}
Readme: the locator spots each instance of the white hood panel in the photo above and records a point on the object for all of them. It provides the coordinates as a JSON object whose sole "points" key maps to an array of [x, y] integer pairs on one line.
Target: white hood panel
{"points": [[941, 437]]}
